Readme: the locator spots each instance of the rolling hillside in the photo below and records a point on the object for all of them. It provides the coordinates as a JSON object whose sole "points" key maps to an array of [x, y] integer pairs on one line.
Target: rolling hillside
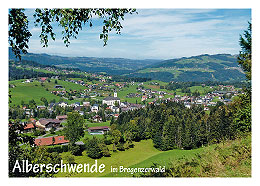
{"points": [[220, 67], [113, 66]]}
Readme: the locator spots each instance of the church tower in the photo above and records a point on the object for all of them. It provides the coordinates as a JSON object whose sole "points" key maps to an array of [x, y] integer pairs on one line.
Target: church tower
{"points": [[115, 94]]}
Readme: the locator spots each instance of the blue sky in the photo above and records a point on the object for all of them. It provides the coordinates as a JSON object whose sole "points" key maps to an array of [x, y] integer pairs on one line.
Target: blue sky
{"points": [[155, 33]]}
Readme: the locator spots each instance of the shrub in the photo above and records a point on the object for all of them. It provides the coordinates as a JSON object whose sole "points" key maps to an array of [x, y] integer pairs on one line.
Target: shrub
{"points": [[93, 149], [52, 131], [75, 150], [38, 132], [105, 150], [120, 147], [58, 148], [70, 159], [108, 141]]}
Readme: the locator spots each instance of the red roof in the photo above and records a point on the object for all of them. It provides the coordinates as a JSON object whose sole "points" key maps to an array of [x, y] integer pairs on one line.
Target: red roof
{"points": [[28, 126], [43, 78], [49, 141]]}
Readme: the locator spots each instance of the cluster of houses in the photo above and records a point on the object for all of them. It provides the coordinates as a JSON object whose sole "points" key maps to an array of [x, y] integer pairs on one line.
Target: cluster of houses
{"points": [[133, 95], [44, 124], [48, 124], [102, 86], [149, 93], [114, 104], [206, 100], [61, 140]]}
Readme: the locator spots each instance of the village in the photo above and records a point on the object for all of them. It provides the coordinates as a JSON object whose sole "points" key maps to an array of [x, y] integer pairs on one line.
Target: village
{"points": [[99, 103]]}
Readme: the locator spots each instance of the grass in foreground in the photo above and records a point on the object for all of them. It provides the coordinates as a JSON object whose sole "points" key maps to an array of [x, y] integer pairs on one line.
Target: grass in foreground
{"points": [[142, 150], [228, 159]]}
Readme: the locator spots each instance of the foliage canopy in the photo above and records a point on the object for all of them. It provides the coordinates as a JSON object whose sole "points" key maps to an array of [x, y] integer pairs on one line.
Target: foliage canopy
{"points": [[71, 20]]}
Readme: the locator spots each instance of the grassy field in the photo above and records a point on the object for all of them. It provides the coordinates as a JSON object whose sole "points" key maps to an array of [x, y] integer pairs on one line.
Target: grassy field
{"points": [[34, 90], [132, 89], [142, 155], [175, 71], [140, 152], [29, 91], [227, 159], [162, 158]]}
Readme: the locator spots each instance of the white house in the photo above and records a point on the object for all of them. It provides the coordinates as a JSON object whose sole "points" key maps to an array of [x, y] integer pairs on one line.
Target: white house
{"points": [[94, 108], [63, 104]]}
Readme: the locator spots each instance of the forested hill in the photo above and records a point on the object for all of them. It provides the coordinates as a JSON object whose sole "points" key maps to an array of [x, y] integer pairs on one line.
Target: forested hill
{"points": [[202, 68], [29, 69], [219, 67], [113, 66]]}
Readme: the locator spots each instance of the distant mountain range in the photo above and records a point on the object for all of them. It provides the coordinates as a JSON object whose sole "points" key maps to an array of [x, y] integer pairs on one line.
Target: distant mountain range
{"points": [[114, 66], [219, 67]]}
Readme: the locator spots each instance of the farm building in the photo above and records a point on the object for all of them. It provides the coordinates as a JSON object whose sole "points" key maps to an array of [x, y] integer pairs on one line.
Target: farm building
{"points": [[98, 130]]}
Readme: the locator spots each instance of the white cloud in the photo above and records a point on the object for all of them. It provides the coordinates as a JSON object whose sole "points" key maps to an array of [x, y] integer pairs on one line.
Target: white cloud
{"points": [[158, 33]]}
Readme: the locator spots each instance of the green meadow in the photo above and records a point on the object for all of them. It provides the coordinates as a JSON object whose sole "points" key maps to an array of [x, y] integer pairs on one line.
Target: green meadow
{"points": [[231, 158], [34, 90], [37, 90], [142, 155], [29, 91]]}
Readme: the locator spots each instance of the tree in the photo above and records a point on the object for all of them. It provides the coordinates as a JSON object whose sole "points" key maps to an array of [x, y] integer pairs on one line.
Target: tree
{"points": [[93, 149], [242, 116], [70, 159], [44, 100], [74, 129], [32, 103], [16, 152], [112, 120], [157, 140], [18, 31], [42, 156], [28, 151], [71, 21], [52, 131], [244, 58], [76, 150], [53, 140], [104, 148], [116, 135]]}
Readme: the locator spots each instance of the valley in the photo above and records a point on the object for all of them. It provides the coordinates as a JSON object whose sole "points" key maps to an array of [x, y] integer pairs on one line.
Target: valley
{"points": [[42, 94]]}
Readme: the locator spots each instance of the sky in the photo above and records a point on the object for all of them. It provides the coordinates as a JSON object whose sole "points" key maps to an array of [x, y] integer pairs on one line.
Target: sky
{"points": [[154, 34]]}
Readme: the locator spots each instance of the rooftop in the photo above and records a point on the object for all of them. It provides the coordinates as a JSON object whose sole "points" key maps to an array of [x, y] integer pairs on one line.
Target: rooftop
{"points": [[49, 141], [47, 121], [111, 98], [98, 128]]}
